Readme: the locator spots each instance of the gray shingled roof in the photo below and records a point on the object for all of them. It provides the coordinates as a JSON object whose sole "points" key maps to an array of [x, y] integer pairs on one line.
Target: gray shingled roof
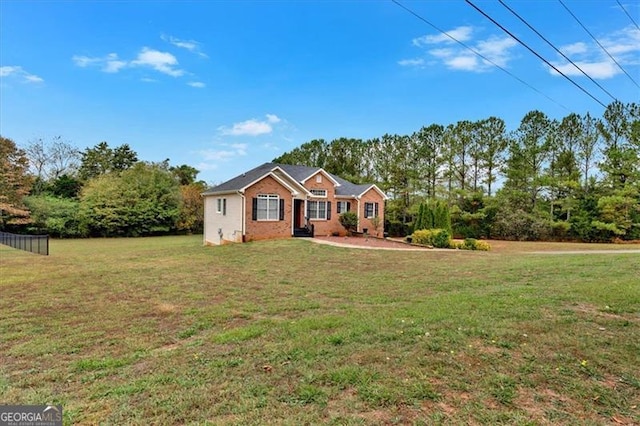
{"points": [[299, 173], [348, 188]]}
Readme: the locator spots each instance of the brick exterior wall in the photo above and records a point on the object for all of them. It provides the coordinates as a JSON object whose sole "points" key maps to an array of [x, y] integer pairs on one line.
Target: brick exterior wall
{"points": [[371, 196], [323, 226], [262, 230]]}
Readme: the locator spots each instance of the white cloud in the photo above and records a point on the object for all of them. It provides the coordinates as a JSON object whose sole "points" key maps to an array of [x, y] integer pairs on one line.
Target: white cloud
{"points": [[241, 148], [597, 70], [418, 62], [623, 42], [84, 61], [113, 64], [197, 84], [444, 52], [462, 33], [574, 48], [496, 49], [163, 62], [18, 72], [190, 45], [463, 63], [272, 118], [216, 155], [623, 45], [252, 127], [228, 152], [33, 78], [271, 146], [206, 166], [110, 63]]}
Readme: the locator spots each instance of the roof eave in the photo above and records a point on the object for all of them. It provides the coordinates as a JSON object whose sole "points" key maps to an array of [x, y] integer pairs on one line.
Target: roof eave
{"points": [[325, 173]]}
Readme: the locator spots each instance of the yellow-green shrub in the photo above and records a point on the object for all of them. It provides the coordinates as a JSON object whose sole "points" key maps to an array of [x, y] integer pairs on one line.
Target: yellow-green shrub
{"points": [[473, 244], [439, 238]]}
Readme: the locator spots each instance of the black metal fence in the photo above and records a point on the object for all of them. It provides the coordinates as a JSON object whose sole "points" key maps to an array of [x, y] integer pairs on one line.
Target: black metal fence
{"points": [[38, 244]]}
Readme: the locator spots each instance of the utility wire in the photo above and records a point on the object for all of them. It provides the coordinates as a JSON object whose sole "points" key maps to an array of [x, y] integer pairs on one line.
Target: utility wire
{"points": [[466, 46], [534, 52], [556, 49], [596, 40], [627, 13]]}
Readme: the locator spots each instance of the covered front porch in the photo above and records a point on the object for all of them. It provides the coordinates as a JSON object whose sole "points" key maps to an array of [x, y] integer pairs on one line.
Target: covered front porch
{"points": [[301, 225]]}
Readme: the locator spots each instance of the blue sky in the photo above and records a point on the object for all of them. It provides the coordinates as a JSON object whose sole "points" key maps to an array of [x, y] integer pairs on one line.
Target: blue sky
{"points": [[225, 86]]}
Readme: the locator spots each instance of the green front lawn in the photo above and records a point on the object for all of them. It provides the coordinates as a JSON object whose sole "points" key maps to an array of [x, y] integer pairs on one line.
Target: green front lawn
{"points": [[165, 331]]}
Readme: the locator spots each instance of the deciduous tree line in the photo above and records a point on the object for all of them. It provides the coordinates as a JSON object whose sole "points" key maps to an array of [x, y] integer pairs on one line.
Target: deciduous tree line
{"points": [[574, 178], [52, 187]]}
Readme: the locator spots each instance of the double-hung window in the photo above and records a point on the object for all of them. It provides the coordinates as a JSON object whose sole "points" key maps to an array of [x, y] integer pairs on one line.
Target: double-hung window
{"points": [[221, 206], [317, 210], [267, 207], [343, 207], [370, 210]]}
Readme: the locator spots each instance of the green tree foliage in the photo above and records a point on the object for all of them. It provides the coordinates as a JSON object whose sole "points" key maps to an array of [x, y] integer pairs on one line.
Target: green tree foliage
{"points": [[102, 159], [587, 148], [429, 159], [621, 162], [185, 174], [349, 220], [463, 140], [58, 217], [528, 153], [542, 170], [344, 158], [191, 218], [494, 142], [49, 160], [433, 214], [471, 217], [142, 200], [619, 214], [312, 154], [15, 184], [64, 186]]}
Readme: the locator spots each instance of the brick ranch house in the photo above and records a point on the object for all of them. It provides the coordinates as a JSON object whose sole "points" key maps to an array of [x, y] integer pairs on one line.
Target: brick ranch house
{"points": [[281, 200]]}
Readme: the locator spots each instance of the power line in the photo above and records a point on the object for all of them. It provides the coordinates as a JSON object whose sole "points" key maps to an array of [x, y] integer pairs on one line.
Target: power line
{"points": [[596, 40], [556, 49], [534, 52], [478, 54], [627, 13]]}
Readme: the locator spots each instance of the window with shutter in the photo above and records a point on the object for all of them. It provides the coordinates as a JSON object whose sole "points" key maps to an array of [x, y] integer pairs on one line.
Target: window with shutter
{"points": [[317, 210], [267, 207], [369, 210], [343, 207]]}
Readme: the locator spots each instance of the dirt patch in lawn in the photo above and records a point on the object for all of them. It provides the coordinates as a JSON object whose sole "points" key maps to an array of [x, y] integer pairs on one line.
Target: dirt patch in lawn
{"points": [[371, 243]]}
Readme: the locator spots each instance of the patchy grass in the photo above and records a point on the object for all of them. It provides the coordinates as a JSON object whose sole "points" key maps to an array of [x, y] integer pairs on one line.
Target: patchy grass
{"points": [[164, 331]]}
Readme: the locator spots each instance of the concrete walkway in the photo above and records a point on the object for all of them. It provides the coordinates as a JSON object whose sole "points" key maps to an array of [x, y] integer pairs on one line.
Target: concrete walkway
{"points": [[631, 251], [355, 246], [417, 248]]}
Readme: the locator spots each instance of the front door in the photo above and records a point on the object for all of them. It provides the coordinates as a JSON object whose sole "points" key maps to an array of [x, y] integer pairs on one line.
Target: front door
{"points": [[298, 213]]}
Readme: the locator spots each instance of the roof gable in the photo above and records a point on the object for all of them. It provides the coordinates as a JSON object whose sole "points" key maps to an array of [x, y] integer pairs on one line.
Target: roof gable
{"points": [[291, 176]]}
